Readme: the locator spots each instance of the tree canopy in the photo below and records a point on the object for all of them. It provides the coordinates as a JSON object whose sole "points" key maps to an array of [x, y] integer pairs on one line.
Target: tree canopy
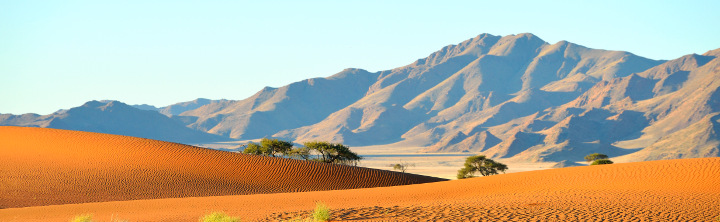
{"points": [[601, 162], [316, 151], [595, 156], [598, 159], [269, 147], [482, 165], [332, 153]]}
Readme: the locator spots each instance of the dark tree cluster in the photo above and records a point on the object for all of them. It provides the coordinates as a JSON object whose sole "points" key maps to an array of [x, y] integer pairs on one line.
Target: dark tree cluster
{"points": [[598, 159], [314, 151]]}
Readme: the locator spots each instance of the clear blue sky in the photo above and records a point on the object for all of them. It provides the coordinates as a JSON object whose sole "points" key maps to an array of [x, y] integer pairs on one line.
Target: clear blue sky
{"points": [[60, 54]]}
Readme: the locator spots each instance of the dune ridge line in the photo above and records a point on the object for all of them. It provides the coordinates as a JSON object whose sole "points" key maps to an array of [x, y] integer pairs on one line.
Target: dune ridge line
{"points": [[43, 166]]}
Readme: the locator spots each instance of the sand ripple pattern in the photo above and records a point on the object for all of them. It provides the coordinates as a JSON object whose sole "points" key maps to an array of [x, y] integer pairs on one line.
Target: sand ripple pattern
{"points": [[49, 166], [666, 190]]}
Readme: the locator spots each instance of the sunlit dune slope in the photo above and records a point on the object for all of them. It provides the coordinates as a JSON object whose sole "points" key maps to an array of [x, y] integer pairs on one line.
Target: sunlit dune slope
{"points": [[667, 190], [47, 166]]}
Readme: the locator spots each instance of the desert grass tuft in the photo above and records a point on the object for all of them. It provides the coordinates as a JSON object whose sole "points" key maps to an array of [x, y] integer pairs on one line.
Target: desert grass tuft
{"points": [[82, 218], [218, 217], [321, 212]]}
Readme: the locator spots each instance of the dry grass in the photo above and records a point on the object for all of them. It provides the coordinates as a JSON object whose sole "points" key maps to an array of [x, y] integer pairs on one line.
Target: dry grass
{"points": [[218, 217], [321, 212]]}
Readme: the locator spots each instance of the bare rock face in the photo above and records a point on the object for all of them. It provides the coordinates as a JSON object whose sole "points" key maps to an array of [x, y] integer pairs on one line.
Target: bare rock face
{"points": [[701, 139]]}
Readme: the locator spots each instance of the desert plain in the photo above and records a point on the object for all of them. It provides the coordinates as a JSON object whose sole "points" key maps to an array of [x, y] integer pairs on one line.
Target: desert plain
{"points": [[54, 175]]}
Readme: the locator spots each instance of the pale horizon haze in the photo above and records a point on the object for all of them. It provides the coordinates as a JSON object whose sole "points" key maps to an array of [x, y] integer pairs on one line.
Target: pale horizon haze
{"points": [[60, 54]]}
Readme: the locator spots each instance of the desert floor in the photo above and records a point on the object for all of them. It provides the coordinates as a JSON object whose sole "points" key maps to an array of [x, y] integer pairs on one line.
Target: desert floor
{"points": [[41, 182], [670, 190], [442, 165]]}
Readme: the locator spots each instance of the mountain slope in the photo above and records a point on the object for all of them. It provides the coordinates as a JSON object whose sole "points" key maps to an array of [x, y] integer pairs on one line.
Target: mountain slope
{"points": [[178, 108], [275, 109], [484, 81], [645, 116], [702, 139]]}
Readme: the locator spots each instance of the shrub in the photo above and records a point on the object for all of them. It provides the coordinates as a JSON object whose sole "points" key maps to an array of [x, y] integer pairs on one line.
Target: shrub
{"points": [[402, 167], [82, 218], [601, 162], [218, 217], [321, 212]]}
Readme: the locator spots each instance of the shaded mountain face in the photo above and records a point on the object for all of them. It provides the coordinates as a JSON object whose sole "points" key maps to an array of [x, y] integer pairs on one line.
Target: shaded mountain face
{"points": [[275, 109], [490, 94], [511, 96], [487, 78], [114, 117]]}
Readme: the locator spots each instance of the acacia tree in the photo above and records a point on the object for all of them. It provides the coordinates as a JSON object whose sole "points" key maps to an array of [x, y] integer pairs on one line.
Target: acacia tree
{"points": [[331, 153], [482, 165], [402, 167], [595, 156], [254, 148], [275, 146], [269, 147], [598, 159], [316, 151]]}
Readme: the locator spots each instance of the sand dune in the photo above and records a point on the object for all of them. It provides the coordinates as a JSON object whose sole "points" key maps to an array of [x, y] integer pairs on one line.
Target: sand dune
{"points": [[667, 190], [41, 166]]}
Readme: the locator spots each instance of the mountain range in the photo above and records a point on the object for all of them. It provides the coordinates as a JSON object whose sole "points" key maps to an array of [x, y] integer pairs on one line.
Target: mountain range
{"points": [[513, 96], [113, 117]]}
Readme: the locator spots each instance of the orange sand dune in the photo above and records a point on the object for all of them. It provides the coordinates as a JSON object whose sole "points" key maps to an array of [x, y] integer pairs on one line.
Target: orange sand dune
{"points": [[48, 166], [668, 190]]}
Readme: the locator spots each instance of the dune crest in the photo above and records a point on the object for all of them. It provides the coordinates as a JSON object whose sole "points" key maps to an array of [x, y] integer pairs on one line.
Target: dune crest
{"points": [[43, 166]]}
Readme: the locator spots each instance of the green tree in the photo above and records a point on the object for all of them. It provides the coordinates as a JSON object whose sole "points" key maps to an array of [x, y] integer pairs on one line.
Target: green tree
{"points": [[482, 165], [275, 146], [332, 153], [316, 151], [601, 162], [269, 147], [254, 148], [595, 156]]}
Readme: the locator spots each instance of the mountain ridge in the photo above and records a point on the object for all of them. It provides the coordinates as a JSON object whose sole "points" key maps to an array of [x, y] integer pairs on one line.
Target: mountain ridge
{"points": [[513, 96], [114, 117]]}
